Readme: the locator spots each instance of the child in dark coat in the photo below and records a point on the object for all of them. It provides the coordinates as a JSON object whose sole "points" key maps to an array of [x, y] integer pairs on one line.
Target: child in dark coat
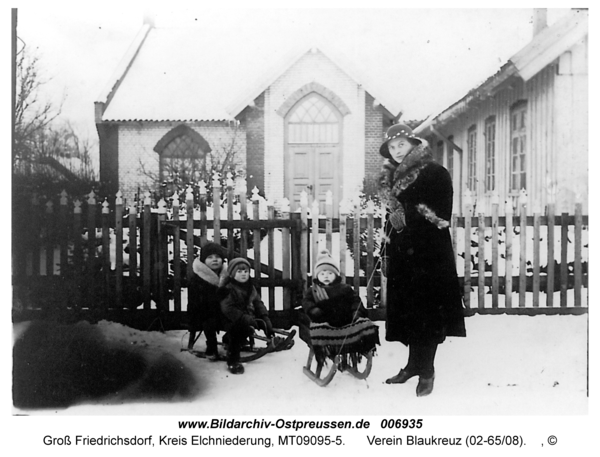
{"points": [[334, 319], [329, 300], [243, 312], [204, 292]]}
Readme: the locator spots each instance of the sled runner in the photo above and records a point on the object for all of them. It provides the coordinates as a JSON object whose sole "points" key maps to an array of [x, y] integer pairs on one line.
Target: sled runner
{"points": [[251, 352], [350, 348]]}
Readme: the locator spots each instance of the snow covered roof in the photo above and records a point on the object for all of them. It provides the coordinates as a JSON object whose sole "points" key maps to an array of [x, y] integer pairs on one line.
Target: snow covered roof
{"points": [[186, 74], [545, 47]]}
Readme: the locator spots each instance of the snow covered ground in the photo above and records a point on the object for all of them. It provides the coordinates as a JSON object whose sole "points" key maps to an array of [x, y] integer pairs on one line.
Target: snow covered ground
{"points": [[507, 365]]}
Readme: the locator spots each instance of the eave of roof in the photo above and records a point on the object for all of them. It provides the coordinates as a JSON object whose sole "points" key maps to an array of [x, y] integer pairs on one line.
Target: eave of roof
{"points": [[339, 59], [548, 45], [165, 73]]}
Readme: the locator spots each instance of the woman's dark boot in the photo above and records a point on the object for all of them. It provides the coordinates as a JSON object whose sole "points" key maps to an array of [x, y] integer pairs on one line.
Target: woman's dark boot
{"points": [[427, 372], [192, 340], [425, 386], [409, 371], [403, 376]]}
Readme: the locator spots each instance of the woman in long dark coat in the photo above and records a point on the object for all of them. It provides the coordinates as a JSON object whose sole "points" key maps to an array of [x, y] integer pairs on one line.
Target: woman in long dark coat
{"points": [[424, 303]]}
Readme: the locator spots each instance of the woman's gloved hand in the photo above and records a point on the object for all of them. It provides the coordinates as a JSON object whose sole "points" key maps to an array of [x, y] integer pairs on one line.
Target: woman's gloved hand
{"points": [[385, 265]]}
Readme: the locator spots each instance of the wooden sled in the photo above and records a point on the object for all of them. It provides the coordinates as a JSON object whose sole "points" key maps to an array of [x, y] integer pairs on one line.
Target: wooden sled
{"points": [[251, 353], [358, 365], [350, 348]]}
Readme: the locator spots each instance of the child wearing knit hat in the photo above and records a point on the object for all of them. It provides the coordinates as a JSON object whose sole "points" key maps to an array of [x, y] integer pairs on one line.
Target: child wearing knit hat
{"points": [[204, 313], [243, 311], [329, 300]]}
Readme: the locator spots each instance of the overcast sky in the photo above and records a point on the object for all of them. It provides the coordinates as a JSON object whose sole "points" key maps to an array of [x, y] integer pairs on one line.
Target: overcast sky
{"points": [[426, 58]]}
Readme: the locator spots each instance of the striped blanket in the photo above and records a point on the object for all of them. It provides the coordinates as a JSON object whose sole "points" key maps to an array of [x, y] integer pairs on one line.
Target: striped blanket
{"points": [[361, 336]]}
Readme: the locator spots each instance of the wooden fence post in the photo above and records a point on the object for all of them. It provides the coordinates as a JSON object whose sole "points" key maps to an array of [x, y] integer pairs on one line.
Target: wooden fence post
{"points": [[286, 254], [65, 233], [256, 217], [370, 272], [577, 259], [133, 253], [480, 257], [203, 224], [176, 255], [189, 229], [564, 266], [467, 266], [271, 254], [550, 212], [106, 251], [304, 239], [91, 246], [243, 194], [329, 221], [536, 255], [508, 254], [230, 198], [343, 244], [382, 278], [356, 243], [119, 249], [162, 256], [314, 236], [522, 247], [77, 253], [146, 251], [216, 208], [495, 281]]}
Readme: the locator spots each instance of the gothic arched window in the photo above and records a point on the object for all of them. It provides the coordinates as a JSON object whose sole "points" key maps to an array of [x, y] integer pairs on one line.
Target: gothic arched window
{"points": [[313, 121], [182, 155]]}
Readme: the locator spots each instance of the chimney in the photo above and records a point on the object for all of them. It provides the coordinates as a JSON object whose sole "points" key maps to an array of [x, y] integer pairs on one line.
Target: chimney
{"points": [[149, 19], [540, 20]]}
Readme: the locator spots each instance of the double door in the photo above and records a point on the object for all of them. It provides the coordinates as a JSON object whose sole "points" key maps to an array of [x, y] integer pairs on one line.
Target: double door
{"points": [[316, 169]]}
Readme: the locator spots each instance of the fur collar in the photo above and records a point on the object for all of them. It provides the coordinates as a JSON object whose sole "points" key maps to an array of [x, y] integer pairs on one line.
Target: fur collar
{"points": [[204, 272], [396, 178]]}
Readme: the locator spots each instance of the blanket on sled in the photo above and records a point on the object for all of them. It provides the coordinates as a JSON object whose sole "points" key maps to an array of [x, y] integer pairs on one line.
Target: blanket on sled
{"points": [[360, 337]]}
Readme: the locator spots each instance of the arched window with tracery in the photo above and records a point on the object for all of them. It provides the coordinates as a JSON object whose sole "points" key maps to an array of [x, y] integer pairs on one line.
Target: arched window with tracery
{"points": [[314, 121], [182, 154]]}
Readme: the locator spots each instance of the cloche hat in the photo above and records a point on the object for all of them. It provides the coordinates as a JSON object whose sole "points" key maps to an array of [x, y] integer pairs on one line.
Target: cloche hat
{"points": [[397, 131]]}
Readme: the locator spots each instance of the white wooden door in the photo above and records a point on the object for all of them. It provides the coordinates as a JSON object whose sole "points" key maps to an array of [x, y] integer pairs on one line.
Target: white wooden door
{"points": [[313, 152], [316, 170]]}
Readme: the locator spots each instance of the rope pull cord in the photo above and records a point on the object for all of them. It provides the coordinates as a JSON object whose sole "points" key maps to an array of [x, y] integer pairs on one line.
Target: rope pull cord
{"points": [[381, 255]]}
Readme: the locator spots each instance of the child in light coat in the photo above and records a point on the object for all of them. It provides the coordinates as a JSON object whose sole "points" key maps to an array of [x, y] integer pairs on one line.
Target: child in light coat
{"points": [[204, 293]]}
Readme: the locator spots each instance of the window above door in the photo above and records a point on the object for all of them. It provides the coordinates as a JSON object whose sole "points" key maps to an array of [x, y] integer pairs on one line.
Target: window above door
{"points": [[313, 120]]}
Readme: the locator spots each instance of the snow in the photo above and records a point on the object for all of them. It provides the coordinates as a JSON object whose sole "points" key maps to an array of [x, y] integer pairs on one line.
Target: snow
{"points": [[507, 365]]}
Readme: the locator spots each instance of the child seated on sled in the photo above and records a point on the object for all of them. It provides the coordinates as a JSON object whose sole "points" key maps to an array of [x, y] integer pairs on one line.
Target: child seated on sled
{"points": [[329, 300], [243, 311], [335, 320], [204, 310]]}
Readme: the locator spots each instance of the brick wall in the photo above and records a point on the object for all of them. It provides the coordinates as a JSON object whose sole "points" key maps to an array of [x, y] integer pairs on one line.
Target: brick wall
{"points": [[254, 122], [109, 156], [374, 128]]}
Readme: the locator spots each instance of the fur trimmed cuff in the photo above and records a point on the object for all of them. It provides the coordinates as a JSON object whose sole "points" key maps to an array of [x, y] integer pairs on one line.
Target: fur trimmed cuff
{"points": [[430, 215]]}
